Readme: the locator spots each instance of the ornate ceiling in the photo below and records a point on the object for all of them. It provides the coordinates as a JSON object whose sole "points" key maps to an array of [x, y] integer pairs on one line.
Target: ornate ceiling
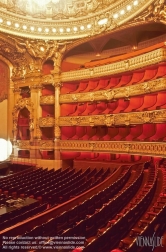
{"points": [[66, 19]]}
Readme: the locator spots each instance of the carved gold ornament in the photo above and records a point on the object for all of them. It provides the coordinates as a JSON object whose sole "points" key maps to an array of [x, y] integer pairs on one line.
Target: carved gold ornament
{"points": [[61, 19], [46, 144], [117, 93], [49, 99], [57, 132], [138, 148], [47, 79], [150, 58], [154, 116], [46, 122], [23, 144], [21, 103]]}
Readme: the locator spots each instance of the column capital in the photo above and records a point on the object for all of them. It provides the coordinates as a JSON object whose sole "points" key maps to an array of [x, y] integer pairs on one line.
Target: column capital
{"points": [[36, 87], [57, 85], [16, 90]]}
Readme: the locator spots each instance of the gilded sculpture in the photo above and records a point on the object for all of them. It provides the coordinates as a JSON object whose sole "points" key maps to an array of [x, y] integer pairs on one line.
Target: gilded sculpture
{"points": [[156, 12]]}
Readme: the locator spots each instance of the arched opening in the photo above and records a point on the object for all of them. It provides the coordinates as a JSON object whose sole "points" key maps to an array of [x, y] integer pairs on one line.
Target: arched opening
{"points": [[47, 66], [23, 132]]}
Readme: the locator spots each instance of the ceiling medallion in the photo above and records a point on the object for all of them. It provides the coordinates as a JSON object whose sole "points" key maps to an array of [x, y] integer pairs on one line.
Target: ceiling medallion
{"points": [[66, 19]]}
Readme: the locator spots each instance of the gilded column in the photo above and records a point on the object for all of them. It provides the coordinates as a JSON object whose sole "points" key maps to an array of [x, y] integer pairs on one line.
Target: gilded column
{"points": [[15, 97], [35, 98], [57, 131], [10, 129], [35, 132]]}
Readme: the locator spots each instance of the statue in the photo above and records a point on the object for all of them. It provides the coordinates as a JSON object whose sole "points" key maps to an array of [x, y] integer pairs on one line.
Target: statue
{"points": [[56, 52]]}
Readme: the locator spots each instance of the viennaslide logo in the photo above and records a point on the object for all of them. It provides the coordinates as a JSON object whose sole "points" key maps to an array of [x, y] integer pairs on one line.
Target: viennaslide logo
{"points": [[149, 241]]}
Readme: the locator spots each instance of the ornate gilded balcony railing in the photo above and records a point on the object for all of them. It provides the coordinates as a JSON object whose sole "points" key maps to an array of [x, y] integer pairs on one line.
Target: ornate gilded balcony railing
{"points": [[22, 144], [47, 79], [30, 145], [49, 99], [140, 148], [147, 59], [46, 144], [46, 122], [116, 93], [154, 116]]}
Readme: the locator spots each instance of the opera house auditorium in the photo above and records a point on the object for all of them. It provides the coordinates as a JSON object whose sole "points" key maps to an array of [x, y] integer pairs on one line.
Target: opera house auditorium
{"points": [[83, 125]]}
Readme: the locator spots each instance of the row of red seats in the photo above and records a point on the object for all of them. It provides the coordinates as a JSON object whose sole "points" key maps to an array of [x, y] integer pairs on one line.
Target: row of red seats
{"points": [[142, 132], [107, 238], [124, 79], [70, 217], [106, 157], [145, 226], [148, 102]]}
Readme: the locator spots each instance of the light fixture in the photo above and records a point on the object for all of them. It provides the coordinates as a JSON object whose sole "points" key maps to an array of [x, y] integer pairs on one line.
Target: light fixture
{"points": [[103, 21], [1, 20], [115, 15], [53, 30], [24, 27], [68, 29], [61, 30], [46, 30], [39, 29], [16, 25], [122, 12], [82, 27], [8, 23], [42, 49], [128, 7], [135, 2], [89, 26], [5, 149], [32, 28], [75, 29]]}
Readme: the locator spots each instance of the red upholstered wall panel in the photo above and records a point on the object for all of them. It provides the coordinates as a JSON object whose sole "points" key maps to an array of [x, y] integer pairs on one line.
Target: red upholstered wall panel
{"points": [[4, 80]]}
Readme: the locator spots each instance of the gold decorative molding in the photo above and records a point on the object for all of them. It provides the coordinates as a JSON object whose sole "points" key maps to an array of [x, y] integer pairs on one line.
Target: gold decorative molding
{"points": [[116, 93], [38, 133], [20, 104], [147, 59], [56, 19], [47, 99], [132, 148], [57, 132], [36, 87], [57, 85], [46, 144], [46, 122], [22, 144], [155, 12], [139, 148], [16, 90], [47, 79], [31, 79], [154, 116]]}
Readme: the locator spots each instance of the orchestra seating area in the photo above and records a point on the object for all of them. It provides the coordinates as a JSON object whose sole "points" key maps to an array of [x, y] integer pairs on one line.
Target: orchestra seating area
{"points": [[125, 202]]}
